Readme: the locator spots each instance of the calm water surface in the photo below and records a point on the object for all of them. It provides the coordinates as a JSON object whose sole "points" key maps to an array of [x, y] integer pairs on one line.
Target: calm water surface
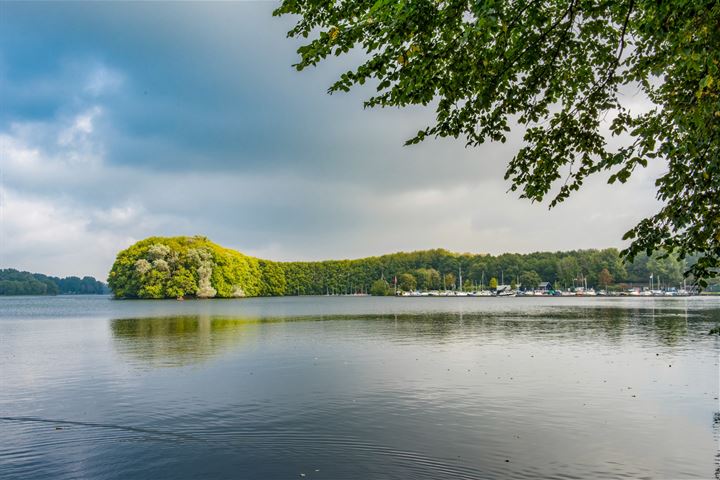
{"points": [[335, 388]]}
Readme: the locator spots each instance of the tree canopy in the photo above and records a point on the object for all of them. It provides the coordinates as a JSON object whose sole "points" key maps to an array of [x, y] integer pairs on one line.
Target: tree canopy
{"points": [[162, 267], [564, 72], [15, 282]]}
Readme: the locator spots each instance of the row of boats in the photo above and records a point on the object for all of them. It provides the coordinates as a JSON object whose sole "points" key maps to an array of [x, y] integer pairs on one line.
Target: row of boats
{"points": [[580, 292]]}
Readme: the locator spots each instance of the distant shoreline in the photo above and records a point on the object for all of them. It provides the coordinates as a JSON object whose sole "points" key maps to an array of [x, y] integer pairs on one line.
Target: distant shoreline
{"points": [[188, 267], [19, 283]]}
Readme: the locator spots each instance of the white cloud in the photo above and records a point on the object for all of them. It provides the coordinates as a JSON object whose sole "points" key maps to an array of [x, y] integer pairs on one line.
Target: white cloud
{"points": [[43, 153], [103, 80], [52, 217], [40, 235], [78, 132]]}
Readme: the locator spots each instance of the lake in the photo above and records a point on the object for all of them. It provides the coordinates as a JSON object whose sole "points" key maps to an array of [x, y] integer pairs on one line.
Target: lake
{"points": [[359, 387]]}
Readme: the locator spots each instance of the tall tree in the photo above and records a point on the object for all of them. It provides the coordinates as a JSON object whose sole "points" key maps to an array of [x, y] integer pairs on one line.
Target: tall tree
{"points": [[450, 281], [530, 280], [407, 282], [558, 69], [380, 288], [605, 278]]}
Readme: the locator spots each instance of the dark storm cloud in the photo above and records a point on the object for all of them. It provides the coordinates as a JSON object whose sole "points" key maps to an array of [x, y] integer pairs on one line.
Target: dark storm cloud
{"points": [[208, 86]]}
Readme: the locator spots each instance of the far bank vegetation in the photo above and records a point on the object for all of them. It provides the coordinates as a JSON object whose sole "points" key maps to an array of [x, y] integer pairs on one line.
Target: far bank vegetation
{"points": [[181, 267]]}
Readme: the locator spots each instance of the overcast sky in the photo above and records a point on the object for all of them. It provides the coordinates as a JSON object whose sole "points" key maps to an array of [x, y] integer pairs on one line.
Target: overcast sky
{"points": [[123, 120]]}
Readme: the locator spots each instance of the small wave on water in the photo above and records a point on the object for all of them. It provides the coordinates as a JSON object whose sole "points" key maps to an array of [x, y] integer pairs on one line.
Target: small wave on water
{"points": [[59, 424], [60, 435], [265, 447]]}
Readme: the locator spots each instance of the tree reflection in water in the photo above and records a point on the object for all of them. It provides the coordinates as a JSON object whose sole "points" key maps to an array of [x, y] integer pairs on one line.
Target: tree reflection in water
{"points": [[180, 340]]}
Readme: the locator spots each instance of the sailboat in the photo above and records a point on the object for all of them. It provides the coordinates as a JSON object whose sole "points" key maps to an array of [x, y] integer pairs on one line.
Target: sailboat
{"points": [[460, 292]]}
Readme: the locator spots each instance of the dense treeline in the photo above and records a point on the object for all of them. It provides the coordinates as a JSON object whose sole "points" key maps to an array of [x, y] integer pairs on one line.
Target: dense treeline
{"points": [[160, 267], [15, 282]]}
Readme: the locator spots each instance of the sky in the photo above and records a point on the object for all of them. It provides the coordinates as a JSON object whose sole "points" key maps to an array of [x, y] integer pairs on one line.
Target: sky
{"points": [[120, 121]]}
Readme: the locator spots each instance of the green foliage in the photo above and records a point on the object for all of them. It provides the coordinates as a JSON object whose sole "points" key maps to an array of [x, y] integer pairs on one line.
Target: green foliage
{"points": [[427, 278], [160, 267], [605, 278], [380, 288], [273, 279], [669, 269], [557, 68], [407, 282], [153, 285], [182, 282], [194, 266], [14, 282], [529, 280]]}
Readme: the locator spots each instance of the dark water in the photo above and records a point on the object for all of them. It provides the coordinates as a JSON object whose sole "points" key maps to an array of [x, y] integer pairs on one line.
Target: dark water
{"points": [[366, 388]]}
